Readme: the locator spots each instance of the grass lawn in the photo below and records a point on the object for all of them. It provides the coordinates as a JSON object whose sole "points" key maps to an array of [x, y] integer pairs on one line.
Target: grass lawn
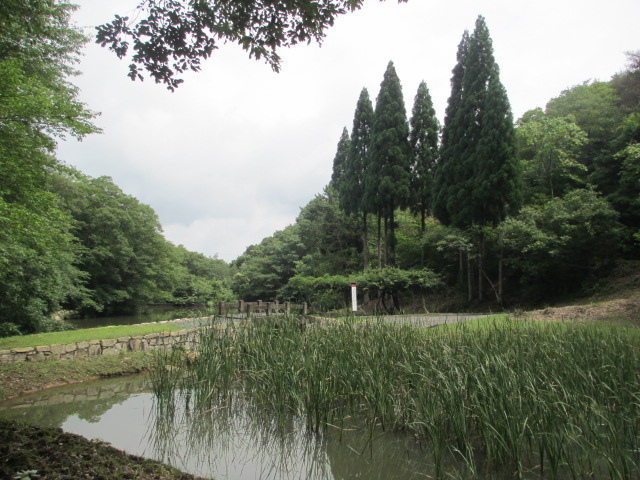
{"points": [[73, 336]]}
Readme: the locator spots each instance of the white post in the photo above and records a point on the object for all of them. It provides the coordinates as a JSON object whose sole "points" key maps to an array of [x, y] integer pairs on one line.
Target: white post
{"points": [[354, 298]]}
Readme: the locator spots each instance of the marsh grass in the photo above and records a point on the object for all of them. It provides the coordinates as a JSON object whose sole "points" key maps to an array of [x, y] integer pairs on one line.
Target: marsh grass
{"points": [[517, 398]]}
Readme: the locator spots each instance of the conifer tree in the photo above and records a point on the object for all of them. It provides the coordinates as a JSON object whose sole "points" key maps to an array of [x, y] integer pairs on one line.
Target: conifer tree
{"points": [[340, 161], [479, 179], [452, 133], [352, 201], [423, 139], [387, 184]]}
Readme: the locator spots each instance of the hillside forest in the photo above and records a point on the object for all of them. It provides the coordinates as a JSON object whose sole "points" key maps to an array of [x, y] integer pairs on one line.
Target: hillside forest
{"points": [[484, 210]]}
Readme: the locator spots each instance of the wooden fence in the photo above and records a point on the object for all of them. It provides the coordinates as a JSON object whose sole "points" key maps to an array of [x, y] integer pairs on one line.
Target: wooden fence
{"points": [[242, 308]]}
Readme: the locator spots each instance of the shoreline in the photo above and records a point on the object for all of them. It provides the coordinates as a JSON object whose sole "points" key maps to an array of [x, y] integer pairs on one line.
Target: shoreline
{"points": [[54, 454]]}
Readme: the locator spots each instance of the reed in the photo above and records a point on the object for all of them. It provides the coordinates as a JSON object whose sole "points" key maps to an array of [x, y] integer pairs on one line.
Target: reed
{"points": [[550, 400]]}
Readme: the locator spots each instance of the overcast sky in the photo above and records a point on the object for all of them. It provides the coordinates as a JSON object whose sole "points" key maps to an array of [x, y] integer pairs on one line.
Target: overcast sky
{"points": [[237, 150]]}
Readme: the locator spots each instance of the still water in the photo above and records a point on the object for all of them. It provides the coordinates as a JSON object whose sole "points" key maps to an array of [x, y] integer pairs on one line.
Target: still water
{"points": [[237, 442]]}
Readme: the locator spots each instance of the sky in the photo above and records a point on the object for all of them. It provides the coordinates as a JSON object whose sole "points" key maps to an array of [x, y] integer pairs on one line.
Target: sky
{"points": [[233, 154]]}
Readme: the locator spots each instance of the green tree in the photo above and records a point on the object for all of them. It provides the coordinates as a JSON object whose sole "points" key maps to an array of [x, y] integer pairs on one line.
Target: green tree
{"points": [[125, 258], [388, 179], [480, 180], [448, 171], [200, 279], [556, 246], [549, 149], [332, 291], [627, 198], [338, 178], [329, 238], [596, 109], [170, 37], [37, 105], [352, 195], [264, 268], [627, 84], [595, 106], [423, 138]]}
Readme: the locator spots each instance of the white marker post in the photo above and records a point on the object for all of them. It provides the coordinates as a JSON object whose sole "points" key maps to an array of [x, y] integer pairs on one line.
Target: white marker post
{"points": [[354, 298]]}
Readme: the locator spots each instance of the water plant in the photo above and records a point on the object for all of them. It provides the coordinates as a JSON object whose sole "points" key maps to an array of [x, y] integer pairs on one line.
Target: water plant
{"points": [[500, 397]]}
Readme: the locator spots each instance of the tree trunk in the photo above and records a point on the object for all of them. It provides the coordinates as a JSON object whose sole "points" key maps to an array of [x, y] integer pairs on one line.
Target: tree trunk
{"points": [[386, 239], [481, 266], [469, 277], [392, 237], [379, 241], [423, 227], [365, 242], [501, 243]]}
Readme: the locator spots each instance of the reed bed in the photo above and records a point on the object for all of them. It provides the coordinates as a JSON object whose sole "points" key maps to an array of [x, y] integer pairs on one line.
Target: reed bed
{"points": [[506, 399]]}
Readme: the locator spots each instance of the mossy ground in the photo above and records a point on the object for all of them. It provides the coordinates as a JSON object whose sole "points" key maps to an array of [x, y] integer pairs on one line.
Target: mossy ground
{"points": [[49, 453], [52, 454]]}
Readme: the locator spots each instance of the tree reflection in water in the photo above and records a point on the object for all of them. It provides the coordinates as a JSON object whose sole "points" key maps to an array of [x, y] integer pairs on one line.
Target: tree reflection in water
{"points": [[243, 440]]}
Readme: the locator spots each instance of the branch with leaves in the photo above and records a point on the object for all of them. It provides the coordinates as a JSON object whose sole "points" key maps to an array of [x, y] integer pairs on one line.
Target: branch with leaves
{"points": [[169, 37]]}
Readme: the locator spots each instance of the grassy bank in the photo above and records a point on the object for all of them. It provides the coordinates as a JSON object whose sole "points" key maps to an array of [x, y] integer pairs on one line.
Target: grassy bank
{"points": [[21, 377], [541, 399], [73, 336], [52, 454]]}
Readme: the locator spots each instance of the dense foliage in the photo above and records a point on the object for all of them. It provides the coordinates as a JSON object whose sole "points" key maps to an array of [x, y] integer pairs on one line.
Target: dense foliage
{"points": [[535, 209], [481, 206], [67, 240], [37, 105]]}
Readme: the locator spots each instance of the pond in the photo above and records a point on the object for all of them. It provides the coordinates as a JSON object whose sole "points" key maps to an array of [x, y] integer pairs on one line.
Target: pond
{"points": [[238, 442]]}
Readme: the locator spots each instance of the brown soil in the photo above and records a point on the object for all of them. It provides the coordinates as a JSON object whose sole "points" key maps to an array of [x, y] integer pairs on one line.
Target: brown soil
{"points": [[625, 311]]}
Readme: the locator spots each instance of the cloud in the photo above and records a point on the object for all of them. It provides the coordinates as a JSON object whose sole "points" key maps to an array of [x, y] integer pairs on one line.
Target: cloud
{"points": [[234, 153], [225, 238]]}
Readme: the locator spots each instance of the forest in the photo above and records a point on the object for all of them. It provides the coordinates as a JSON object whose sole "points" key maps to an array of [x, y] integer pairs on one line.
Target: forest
{"points": [[484, 210], [481, 212]]}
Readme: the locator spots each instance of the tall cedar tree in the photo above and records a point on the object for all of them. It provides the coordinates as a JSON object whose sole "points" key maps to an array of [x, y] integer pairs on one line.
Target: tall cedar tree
{"points": [[339, 162], [447, 171], [388, 180], [423, 139], [480, 180], [352, 198]]}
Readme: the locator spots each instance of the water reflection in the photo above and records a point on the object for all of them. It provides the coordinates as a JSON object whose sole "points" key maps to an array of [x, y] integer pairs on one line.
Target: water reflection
{"points": [[245, 441], [235, 440]]}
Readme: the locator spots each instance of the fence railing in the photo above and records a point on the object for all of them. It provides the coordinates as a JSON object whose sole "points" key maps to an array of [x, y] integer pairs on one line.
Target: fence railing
{"points": [[264, 308]]}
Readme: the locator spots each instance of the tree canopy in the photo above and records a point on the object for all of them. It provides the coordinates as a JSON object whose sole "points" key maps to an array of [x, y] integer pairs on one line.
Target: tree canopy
{"points": [[38, 104], [66, 240], [171, 37], [478, 179], [387, 183]]}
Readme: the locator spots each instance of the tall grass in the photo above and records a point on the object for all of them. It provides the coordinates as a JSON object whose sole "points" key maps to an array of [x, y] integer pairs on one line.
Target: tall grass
{"points": [[513, 397]]}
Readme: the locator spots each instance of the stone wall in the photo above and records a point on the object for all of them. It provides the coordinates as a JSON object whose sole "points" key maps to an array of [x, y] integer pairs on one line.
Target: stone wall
{"points": [[188, 339]]}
